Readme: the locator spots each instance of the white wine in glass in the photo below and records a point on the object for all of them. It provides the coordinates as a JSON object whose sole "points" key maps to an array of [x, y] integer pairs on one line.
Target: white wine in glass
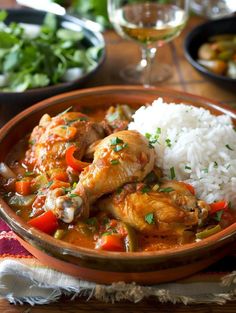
{"points": [[151, 24]]}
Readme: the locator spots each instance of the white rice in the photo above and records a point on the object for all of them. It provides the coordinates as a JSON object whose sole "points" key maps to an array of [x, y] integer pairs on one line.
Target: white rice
{"points": [[202, 148]]}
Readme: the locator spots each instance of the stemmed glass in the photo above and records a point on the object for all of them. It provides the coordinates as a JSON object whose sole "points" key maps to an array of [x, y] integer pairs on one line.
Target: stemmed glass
{"points": [[151, 24]]}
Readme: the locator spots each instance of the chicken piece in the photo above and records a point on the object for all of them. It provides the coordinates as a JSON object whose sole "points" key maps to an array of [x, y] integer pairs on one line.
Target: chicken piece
{"points": [[62, 205], [50, 139], [120, 158], [169, 211]]}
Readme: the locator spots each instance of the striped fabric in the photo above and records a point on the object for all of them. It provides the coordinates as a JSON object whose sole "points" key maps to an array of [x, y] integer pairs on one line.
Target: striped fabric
{"points": [[24, 279]]}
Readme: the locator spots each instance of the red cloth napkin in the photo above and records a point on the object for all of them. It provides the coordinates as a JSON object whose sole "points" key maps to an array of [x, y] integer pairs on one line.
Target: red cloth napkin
{"points": [[25, 279]]}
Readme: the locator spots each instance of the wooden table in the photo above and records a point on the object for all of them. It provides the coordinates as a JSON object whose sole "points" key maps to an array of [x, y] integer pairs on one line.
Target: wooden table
{"points": [[185, 78]]}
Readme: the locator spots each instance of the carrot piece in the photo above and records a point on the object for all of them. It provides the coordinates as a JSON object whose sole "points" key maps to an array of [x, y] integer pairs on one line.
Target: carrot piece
{"points": [[111, 243], [46, 222], [62, 176], [218, 206], [23, 187], [72, 161], [59, 184]]}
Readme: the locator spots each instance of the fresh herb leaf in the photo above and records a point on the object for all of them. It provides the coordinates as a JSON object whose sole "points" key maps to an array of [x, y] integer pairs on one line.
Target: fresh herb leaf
{"points": [[114, 141], [3, 15], [72, 195], [29, 173], [145, 189], [218, 215], [228, 147], [172, 172], [168, 189], [49, 184], [168, 142], [149, 218], [187, 167], [215, 164], [115, 162]]}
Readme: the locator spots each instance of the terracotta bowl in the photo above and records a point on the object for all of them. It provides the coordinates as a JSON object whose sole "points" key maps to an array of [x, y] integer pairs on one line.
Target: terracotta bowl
{"points": [[101, 266]]}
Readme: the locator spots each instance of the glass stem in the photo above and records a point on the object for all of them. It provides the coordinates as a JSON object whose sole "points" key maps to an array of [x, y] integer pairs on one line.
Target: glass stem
{"points": [[148, 54]]}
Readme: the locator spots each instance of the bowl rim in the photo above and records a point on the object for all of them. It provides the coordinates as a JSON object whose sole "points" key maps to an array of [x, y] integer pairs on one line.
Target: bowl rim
{"points": [[188, 41], [75, 20], [65, 248]]}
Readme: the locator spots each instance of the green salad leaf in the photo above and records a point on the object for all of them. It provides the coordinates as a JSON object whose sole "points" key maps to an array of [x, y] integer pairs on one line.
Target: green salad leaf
{"points": [[46, 58]]}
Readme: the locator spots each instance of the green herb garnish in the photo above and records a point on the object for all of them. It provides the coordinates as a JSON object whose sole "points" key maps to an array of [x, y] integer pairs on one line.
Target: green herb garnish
{"points": [[27, 63], [215, 164], [168, 142], [149, 218], [29, 173], [168, 189], [145, 189], [49, 184], [115, 141], [72, 195], [218, 215], [187, 167], [114, 162], [172, 172], [228, 147]]}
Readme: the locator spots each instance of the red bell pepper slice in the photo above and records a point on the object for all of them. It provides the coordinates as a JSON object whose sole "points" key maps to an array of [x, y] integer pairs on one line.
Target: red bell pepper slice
{"points": [[111, 243], [46, 222], [71, 161], [218, 206]]}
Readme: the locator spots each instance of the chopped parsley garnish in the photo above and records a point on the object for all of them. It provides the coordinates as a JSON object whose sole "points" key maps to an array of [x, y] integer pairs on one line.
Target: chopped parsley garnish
{"points": [[74, 185], [168, 189], [172, 172], [32, 142], [145, 189], [228, 147], [215, 164], [187, 167], [228, 166], [205, 170], [29, 173], [153, 138], [92, 221], [49, 184], [168, 142], [120, 147], [66, 189], [72, 195], [64, 127], [118, 143], [218, 215], [119, 190], [114, 162], [115, 141], [149, 218]]}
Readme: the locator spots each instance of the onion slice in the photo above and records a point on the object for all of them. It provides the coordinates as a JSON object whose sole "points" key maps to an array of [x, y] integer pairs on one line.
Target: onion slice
{"points": [[6, 172]]}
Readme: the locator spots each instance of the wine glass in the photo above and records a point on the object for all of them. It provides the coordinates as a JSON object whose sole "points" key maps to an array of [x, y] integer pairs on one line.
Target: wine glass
{"points": [[151, 24]]}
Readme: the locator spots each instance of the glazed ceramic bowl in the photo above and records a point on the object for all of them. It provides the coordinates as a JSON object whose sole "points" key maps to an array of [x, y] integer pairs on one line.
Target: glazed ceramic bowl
{"points": [[12, 103], [200, 35], [102, 266]]}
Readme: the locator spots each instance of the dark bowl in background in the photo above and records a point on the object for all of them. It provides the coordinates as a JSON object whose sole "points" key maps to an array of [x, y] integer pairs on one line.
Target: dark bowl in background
{"points": [[200, 35], [12, 103]]}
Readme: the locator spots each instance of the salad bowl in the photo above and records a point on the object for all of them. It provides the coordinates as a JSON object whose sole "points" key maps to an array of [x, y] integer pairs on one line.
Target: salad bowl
{"points": [[15, 100]]}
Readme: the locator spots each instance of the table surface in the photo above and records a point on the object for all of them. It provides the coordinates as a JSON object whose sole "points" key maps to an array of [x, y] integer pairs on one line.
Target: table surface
{"points": [[184, 78]]}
